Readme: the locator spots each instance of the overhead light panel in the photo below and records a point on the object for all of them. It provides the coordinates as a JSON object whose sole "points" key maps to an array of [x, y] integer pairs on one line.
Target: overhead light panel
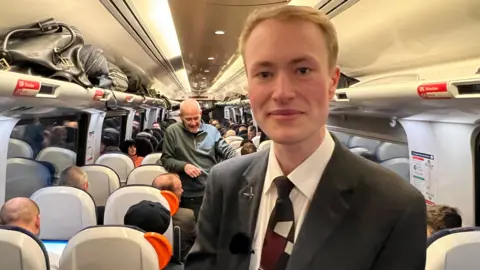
{"points": [[219, 32], [206, 70], [211, 58]]}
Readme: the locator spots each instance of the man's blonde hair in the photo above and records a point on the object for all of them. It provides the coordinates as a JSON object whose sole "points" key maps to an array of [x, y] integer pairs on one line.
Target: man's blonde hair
{"points": [[293, 13]]}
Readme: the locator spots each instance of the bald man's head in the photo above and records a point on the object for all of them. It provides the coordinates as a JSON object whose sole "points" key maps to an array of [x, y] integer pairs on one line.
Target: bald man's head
{"points": [[74, 176], [170, 182], [191, 115], [21, 212]]}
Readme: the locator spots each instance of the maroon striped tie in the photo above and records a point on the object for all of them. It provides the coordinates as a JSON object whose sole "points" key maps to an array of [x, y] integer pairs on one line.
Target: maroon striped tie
{"points": [[280, 234]]}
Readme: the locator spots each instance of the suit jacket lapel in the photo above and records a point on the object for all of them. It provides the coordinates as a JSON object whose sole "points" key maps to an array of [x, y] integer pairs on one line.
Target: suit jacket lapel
{"points": [[329, 205], [250, 194]]}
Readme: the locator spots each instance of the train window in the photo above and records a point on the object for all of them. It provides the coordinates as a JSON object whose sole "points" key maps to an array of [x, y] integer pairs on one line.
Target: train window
{"points": [[47, 132], [40, 149], [112, 131]]}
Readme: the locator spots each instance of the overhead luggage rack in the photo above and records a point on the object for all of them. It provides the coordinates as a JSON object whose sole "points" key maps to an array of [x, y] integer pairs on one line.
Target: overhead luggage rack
{"points": [[40, 91]]}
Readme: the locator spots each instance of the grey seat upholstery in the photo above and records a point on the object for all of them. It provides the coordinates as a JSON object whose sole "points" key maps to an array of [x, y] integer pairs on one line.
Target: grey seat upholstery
{"points": [[343, 138], [19, 149], [394, 157], [24, 177], [102, 181]]}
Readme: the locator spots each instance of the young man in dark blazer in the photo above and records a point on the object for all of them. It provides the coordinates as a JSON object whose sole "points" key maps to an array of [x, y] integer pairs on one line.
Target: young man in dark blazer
{"points": [[307, 202]]}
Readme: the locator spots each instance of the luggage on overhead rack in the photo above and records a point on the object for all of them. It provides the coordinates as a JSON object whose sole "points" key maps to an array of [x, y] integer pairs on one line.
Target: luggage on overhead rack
{"points": [[118, 78], [96, 66], [139, 82], [48, 48], [346, 81]]}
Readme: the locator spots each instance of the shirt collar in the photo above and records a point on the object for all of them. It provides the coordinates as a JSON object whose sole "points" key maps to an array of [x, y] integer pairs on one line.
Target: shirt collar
{"points": [[307, 175]]}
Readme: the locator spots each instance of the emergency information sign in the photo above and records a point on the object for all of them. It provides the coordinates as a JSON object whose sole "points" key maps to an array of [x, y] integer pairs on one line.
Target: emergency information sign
{"points": [[421, 168]]}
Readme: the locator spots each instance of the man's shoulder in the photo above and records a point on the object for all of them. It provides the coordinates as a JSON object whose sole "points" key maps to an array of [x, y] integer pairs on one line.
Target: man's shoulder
{"points": [[174, 127]]}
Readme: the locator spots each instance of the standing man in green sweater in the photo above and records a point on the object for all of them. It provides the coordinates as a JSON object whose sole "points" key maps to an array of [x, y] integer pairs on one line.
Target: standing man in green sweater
{"points": [[190, 149]]}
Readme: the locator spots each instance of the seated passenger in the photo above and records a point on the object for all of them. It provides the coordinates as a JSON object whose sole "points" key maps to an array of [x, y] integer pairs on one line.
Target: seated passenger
{"points": [[156, 125], [248, 148], [151, 217], [130, 149], [441, 217], [25, 213], [184, 218], [74, 176]]}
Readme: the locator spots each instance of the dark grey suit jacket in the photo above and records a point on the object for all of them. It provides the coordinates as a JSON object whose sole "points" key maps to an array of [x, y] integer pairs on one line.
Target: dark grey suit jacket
{"points": [[362, 216]]}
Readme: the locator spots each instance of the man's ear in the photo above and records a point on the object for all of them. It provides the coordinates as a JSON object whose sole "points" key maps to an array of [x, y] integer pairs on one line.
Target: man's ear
{"points": [[86, 185], [334, 78]]}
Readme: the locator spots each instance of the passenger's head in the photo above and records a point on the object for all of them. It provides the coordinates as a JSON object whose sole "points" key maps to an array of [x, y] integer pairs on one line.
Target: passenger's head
{"points": [[129, 147], [73, 176], [191, 115], [170, 182], [252, 132], [148, 216], [112, 149], [290, 54], [214, 122], [156, 125], [248, 148], [21, 212], [230, 133], [441, 217], [245, 142]]}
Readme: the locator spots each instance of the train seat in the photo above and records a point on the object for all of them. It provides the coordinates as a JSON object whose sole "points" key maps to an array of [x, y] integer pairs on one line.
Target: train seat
{"points": [[61, 158], [119, 162], [145, 174], [151, 158], [21, 250], [453, 249], [19, 149], [256, 141], [235, 144], [363, 143], [264, 145], [116, 248], [64, 211], [394, 157], [343, 138], [24, 177], [102, 181]]}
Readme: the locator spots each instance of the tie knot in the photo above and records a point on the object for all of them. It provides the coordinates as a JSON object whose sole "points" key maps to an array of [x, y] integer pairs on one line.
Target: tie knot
{"points": [[284, 186]]}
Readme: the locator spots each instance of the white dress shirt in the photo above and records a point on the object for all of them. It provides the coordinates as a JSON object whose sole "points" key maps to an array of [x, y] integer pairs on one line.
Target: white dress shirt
{"points": [[305, 178]]}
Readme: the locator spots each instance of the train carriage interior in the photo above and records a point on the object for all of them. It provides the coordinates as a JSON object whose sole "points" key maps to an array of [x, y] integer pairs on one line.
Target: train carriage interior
{"points": [[81, 81]]}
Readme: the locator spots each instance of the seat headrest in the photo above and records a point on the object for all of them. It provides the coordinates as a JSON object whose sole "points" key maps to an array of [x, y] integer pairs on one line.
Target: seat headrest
{"points": [[123, 198], [21, 250], [151, 158], [342, 137], [133, 249], [102, 181], [264, 145], [60, 221], [145, 174], [61, 158], [19, 149], [121, 163], [389, 150], [454, 249]]}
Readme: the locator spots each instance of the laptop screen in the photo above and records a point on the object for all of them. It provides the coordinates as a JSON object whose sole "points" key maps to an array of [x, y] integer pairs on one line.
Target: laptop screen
{"points": [[55, 246]]}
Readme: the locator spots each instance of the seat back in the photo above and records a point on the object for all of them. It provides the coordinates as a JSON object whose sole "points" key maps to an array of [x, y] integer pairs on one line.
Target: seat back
{"points": [[151, 158], [64, 211], [343, 138], [369, 144], [454, 249], [24, 177], [264, 145], [123, 198], [394, 157], [235, 144], [19, 149], [102, 181], [119, 162], [145, 174], [256, 141], [115, 248], [61, 158], [21, 250], [233, 138]]}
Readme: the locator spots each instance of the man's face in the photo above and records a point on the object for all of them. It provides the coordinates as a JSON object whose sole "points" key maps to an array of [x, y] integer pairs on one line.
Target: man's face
{"points": [[191, 119], [156, 125], [177, 187], [289, 80]]}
